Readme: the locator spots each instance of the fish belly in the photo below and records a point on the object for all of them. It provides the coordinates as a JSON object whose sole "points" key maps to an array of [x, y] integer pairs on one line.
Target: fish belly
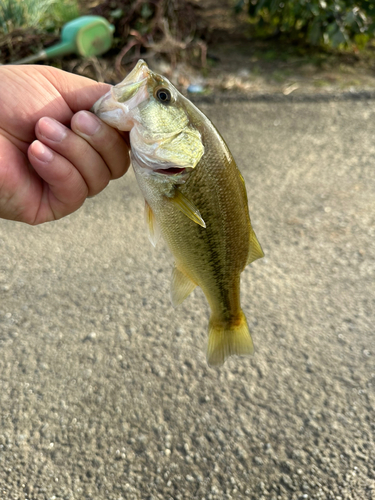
{"points": [[212, 257]]}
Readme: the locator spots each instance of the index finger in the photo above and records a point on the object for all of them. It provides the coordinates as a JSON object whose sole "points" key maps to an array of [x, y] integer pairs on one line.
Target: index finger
{"points": [[106, 140]]}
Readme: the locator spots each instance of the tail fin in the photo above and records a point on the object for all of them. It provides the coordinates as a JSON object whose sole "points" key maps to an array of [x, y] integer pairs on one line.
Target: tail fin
{"points": [[227, 339]]}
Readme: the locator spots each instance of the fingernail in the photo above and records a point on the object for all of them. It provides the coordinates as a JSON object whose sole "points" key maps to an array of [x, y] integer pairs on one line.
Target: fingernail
{"points": [[87, 123], [52, 130], [42, 152]]}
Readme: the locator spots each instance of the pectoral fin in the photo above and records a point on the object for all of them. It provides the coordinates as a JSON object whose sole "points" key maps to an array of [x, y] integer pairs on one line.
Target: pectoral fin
{"points": [[187, 207], [153, 231], [181, 287], [255, 251]]}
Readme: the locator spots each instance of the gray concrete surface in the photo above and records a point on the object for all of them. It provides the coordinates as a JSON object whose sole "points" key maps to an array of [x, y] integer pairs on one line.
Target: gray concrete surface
{"points": [[105, 391]]}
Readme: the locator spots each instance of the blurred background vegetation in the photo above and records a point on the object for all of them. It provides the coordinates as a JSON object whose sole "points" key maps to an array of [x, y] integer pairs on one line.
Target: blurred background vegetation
{"points": [[187, 30], [332, 23], [44, 15]]}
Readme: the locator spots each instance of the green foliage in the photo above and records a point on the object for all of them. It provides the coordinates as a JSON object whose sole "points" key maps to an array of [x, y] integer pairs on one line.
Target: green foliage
{"points": [[330, 22], [42, 14]]}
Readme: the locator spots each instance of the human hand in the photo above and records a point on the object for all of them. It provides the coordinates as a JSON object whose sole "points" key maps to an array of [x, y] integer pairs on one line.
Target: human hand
{"points": [[47, 169]]}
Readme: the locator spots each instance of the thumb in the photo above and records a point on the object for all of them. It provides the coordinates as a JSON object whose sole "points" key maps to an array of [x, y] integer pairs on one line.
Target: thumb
{"points": [[79, 92]]}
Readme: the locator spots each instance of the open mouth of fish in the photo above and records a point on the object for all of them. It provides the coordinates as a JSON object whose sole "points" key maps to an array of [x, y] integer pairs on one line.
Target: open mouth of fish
{"points": [[150, 165], [170, 171], [154, 168]]}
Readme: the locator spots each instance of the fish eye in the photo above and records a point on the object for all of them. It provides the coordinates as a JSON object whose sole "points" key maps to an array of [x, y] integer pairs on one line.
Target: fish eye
{"points": [[163, 95]]}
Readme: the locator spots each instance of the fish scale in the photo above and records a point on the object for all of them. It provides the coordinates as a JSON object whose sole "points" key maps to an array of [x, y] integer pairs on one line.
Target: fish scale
{"points": [[195, 197]]}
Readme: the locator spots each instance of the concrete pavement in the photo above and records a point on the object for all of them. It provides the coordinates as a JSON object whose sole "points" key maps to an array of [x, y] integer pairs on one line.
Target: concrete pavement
{"points": [[105, 391]]}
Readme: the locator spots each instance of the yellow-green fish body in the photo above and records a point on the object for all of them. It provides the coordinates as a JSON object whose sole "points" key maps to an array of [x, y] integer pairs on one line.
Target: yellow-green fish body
{"points": [[195, 197]]}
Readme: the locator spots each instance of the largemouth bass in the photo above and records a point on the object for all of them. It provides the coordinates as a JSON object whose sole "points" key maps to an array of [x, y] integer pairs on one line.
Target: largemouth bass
{"points": [[195, 197]]}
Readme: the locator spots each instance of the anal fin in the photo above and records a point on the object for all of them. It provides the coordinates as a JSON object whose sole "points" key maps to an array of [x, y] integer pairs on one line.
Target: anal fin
{"points": [[181, 286], [255, 251]]}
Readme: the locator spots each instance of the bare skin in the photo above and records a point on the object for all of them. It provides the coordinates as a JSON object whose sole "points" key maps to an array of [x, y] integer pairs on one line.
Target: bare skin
{"points": [[53, 153]]}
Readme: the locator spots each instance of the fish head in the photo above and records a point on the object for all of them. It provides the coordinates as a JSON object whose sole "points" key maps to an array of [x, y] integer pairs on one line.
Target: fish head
{"points": [[163, 136]]}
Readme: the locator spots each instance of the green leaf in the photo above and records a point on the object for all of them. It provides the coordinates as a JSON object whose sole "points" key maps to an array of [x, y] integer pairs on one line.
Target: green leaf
{"points": [[274, 6], [338, 38], [330, 22], [146, 11], [260, 5], [315, 33]]}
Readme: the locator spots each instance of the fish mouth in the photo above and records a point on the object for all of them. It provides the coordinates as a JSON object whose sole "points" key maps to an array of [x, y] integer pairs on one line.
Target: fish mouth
{"points": [[167, 170], [170, 171], [129, 87], [138, 73], [115, 106]]}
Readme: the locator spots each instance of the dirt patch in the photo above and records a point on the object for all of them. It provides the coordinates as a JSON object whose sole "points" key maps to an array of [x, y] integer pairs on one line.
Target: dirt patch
{"points": [[249, 67], [253, 66]]}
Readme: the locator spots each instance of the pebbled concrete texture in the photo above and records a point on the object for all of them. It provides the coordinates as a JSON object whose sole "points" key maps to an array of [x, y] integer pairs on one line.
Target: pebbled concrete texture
{"points": [[105, 391]]}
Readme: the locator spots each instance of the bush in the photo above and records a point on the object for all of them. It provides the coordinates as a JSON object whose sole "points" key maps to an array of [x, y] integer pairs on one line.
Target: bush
{"points": [[41, 14], [329, 22]]}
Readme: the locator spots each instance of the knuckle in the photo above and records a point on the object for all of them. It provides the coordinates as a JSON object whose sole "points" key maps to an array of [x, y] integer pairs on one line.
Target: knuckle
{"points": [[107, 141], [66, 175], [100, 183], [70, 178]]}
